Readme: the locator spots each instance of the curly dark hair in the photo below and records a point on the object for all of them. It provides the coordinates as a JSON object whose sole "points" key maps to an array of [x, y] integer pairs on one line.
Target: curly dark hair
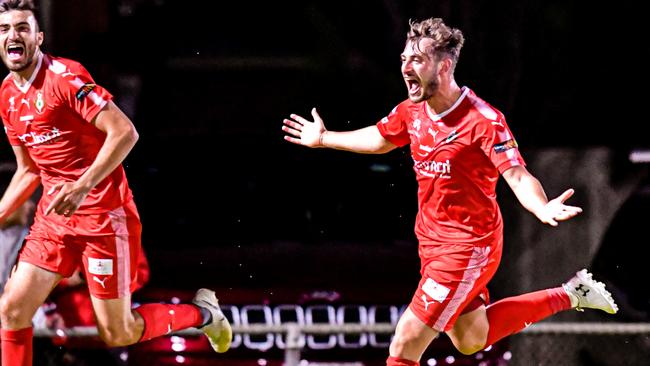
{"points": [[446, 40]]}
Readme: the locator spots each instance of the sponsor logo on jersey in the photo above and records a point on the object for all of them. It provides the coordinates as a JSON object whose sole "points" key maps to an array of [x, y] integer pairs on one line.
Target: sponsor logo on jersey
{"points": [[505, 146], [85, 90], [33, 138], [433, 169]]}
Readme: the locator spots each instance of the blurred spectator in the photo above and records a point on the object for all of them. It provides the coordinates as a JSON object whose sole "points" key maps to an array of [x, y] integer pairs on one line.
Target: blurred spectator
{"points": [[12, 233]]}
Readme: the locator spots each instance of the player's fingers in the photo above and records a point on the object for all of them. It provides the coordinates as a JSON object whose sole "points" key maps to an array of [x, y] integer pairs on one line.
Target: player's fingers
{"points": [[314, 113], [55, 188], [551, 222], [566, 195], [293, 140], [299, 119], [62, 208], [291, 131], [70, 211], [575, 209], [292, 124], [54, 204]]}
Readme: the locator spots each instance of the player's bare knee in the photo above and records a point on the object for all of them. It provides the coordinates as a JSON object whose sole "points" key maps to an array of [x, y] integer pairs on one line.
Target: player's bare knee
{"points": [[470, 345], [470, 349], [12, 314], [116, 335], [406, 339]]}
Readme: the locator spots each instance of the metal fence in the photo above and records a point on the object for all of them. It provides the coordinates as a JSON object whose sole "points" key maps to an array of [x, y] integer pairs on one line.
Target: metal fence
{"points": [[294, 332]]}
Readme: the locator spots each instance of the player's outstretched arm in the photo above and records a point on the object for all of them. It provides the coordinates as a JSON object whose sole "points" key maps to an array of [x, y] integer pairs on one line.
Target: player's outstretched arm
{"points": [[531, 195], [313, 134]]}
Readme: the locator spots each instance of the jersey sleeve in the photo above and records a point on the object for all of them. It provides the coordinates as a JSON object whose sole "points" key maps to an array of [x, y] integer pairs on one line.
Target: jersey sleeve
{"points": [[499, 145], [394, 127], [79, 92], [9, 131]]}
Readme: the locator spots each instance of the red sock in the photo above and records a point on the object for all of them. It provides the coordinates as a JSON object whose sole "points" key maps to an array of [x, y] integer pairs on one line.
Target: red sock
{"points": [[512, 314], [17, 347], [160, 319], [394, 361]]}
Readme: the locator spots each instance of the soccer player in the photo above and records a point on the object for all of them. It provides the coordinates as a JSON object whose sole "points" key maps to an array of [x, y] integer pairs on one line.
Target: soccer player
{"points": [[459, 145], [69, 136]]}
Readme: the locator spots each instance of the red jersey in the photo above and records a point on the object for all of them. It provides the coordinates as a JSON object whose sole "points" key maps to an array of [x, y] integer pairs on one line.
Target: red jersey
{"points": [[457, 157], [51, 116]]}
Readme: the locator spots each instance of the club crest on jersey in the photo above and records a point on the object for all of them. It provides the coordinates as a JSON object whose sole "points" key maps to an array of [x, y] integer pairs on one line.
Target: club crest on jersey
{"points": [[84, 90], [39, 103], [505, 146]]}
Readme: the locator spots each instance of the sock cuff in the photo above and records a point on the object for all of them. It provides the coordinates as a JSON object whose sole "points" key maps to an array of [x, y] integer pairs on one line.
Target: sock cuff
{"points": [[394, 361], [17, 335]]}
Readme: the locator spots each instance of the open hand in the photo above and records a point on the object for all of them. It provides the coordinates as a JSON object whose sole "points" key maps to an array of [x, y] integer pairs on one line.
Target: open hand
{"points": [[555, 210], [304, 132], [67, 200]]}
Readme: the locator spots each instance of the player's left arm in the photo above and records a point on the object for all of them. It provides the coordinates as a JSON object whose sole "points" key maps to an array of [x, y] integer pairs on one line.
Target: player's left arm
{"points": [[531, 195], [121, 136]]}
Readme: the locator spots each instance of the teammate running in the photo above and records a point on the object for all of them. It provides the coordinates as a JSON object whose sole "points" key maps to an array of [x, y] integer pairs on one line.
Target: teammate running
{"points": [[69, 136]]}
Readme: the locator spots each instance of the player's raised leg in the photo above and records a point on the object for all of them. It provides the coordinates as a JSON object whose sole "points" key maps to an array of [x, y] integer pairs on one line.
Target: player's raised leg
{"points": [[510, 315], [118, 325], [25, 291]]}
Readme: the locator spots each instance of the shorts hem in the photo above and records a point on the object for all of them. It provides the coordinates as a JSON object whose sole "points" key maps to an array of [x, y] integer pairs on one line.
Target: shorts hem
{"points": [[41, 265]]}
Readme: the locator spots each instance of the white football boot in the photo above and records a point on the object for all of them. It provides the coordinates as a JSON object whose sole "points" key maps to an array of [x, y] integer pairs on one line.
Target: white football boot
{"points": [[586, 293], [218, 330]]}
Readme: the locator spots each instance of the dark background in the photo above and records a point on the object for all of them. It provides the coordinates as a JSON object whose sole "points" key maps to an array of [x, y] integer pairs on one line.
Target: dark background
{"points": [[207, 84]]}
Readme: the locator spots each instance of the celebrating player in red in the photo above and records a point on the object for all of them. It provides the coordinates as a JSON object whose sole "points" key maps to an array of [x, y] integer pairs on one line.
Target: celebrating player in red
{"points": [[459, 145], [68, 135]]}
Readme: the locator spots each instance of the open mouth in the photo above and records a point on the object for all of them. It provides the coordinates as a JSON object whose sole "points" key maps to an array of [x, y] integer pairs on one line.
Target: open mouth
{"points": [[15, 51], [412, 85]]}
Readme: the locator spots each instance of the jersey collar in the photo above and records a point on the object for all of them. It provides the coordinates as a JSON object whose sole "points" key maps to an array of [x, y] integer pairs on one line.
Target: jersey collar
{"points": [[438, 117], [24, 88]]}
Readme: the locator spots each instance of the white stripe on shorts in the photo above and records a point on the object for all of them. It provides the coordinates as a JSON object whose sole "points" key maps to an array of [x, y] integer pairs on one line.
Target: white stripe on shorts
{"points": [[477, 262], [118, 222]]}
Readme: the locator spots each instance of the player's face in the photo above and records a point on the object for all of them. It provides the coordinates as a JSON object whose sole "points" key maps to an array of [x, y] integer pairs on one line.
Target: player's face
{"points": [[420, 70], [19, 39]]}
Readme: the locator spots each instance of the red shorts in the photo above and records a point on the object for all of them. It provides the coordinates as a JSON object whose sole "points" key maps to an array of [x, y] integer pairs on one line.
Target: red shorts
{"points": [[454, 280], [107, 245]]}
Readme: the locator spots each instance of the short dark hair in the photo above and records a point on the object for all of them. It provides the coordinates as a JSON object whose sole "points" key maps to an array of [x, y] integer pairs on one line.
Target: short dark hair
{"points": [[8, 5]]}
